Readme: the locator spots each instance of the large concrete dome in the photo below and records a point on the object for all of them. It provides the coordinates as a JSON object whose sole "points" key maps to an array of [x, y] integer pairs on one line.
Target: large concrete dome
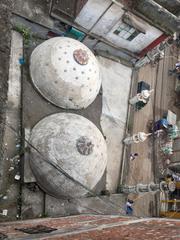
{"points": [[73, 143], [65, 72]]}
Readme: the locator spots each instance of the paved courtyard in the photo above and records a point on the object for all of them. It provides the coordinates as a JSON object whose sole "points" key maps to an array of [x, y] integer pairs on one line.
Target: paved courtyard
{"points": [[147, 166]]}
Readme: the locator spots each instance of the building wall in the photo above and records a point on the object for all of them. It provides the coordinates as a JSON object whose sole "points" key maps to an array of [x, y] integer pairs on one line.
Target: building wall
{"points": [[36, 11], [91, 12], [103, 18]]}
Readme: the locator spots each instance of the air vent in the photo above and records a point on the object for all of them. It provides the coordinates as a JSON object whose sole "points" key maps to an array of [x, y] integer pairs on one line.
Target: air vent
{"points": [[36, 229]]}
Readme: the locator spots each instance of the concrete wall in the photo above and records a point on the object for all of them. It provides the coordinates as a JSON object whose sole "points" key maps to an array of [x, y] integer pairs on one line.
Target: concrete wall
{"points": [[138, 43], [12, 137], [113, 204], [116, 80], [91, 12], [102, 19], [36, 11]]}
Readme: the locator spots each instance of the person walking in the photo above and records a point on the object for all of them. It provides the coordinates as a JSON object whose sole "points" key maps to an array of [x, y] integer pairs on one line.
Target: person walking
{"points": [[129, 209], [133, 156]]}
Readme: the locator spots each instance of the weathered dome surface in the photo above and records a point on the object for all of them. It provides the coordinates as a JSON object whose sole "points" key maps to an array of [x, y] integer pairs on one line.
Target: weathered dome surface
{"points": [[65, 72], [73, 143]]}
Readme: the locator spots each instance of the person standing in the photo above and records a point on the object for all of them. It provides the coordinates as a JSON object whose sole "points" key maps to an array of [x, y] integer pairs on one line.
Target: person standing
{"points": [[176, 70]]}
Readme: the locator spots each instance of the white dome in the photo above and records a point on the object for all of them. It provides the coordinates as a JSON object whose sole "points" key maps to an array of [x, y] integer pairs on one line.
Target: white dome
{"points": [[65, 72], [73, 143]]}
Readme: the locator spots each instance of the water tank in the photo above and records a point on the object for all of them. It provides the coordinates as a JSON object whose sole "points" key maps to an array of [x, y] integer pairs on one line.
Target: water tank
{"points": [[71, 143], [65, 72]]}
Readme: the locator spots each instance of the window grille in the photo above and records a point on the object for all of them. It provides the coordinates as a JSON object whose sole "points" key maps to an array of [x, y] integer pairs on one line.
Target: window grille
{"points": [[126, 32]]}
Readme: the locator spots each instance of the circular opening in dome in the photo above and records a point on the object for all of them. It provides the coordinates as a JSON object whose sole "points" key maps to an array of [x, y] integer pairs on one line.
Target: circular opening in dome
{"points": [[84, 146], [81, 56]]}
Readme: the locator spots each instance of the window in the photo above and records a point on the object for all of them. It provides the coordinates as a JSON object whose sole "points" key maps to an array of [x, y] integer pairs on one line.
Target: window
{"points": [[127, 32]]}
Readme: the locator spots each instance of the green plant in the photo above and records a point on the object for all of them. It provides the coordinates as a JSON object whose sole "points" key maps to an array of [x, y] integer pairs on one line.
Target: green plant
{"points": [[25, 33]]}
